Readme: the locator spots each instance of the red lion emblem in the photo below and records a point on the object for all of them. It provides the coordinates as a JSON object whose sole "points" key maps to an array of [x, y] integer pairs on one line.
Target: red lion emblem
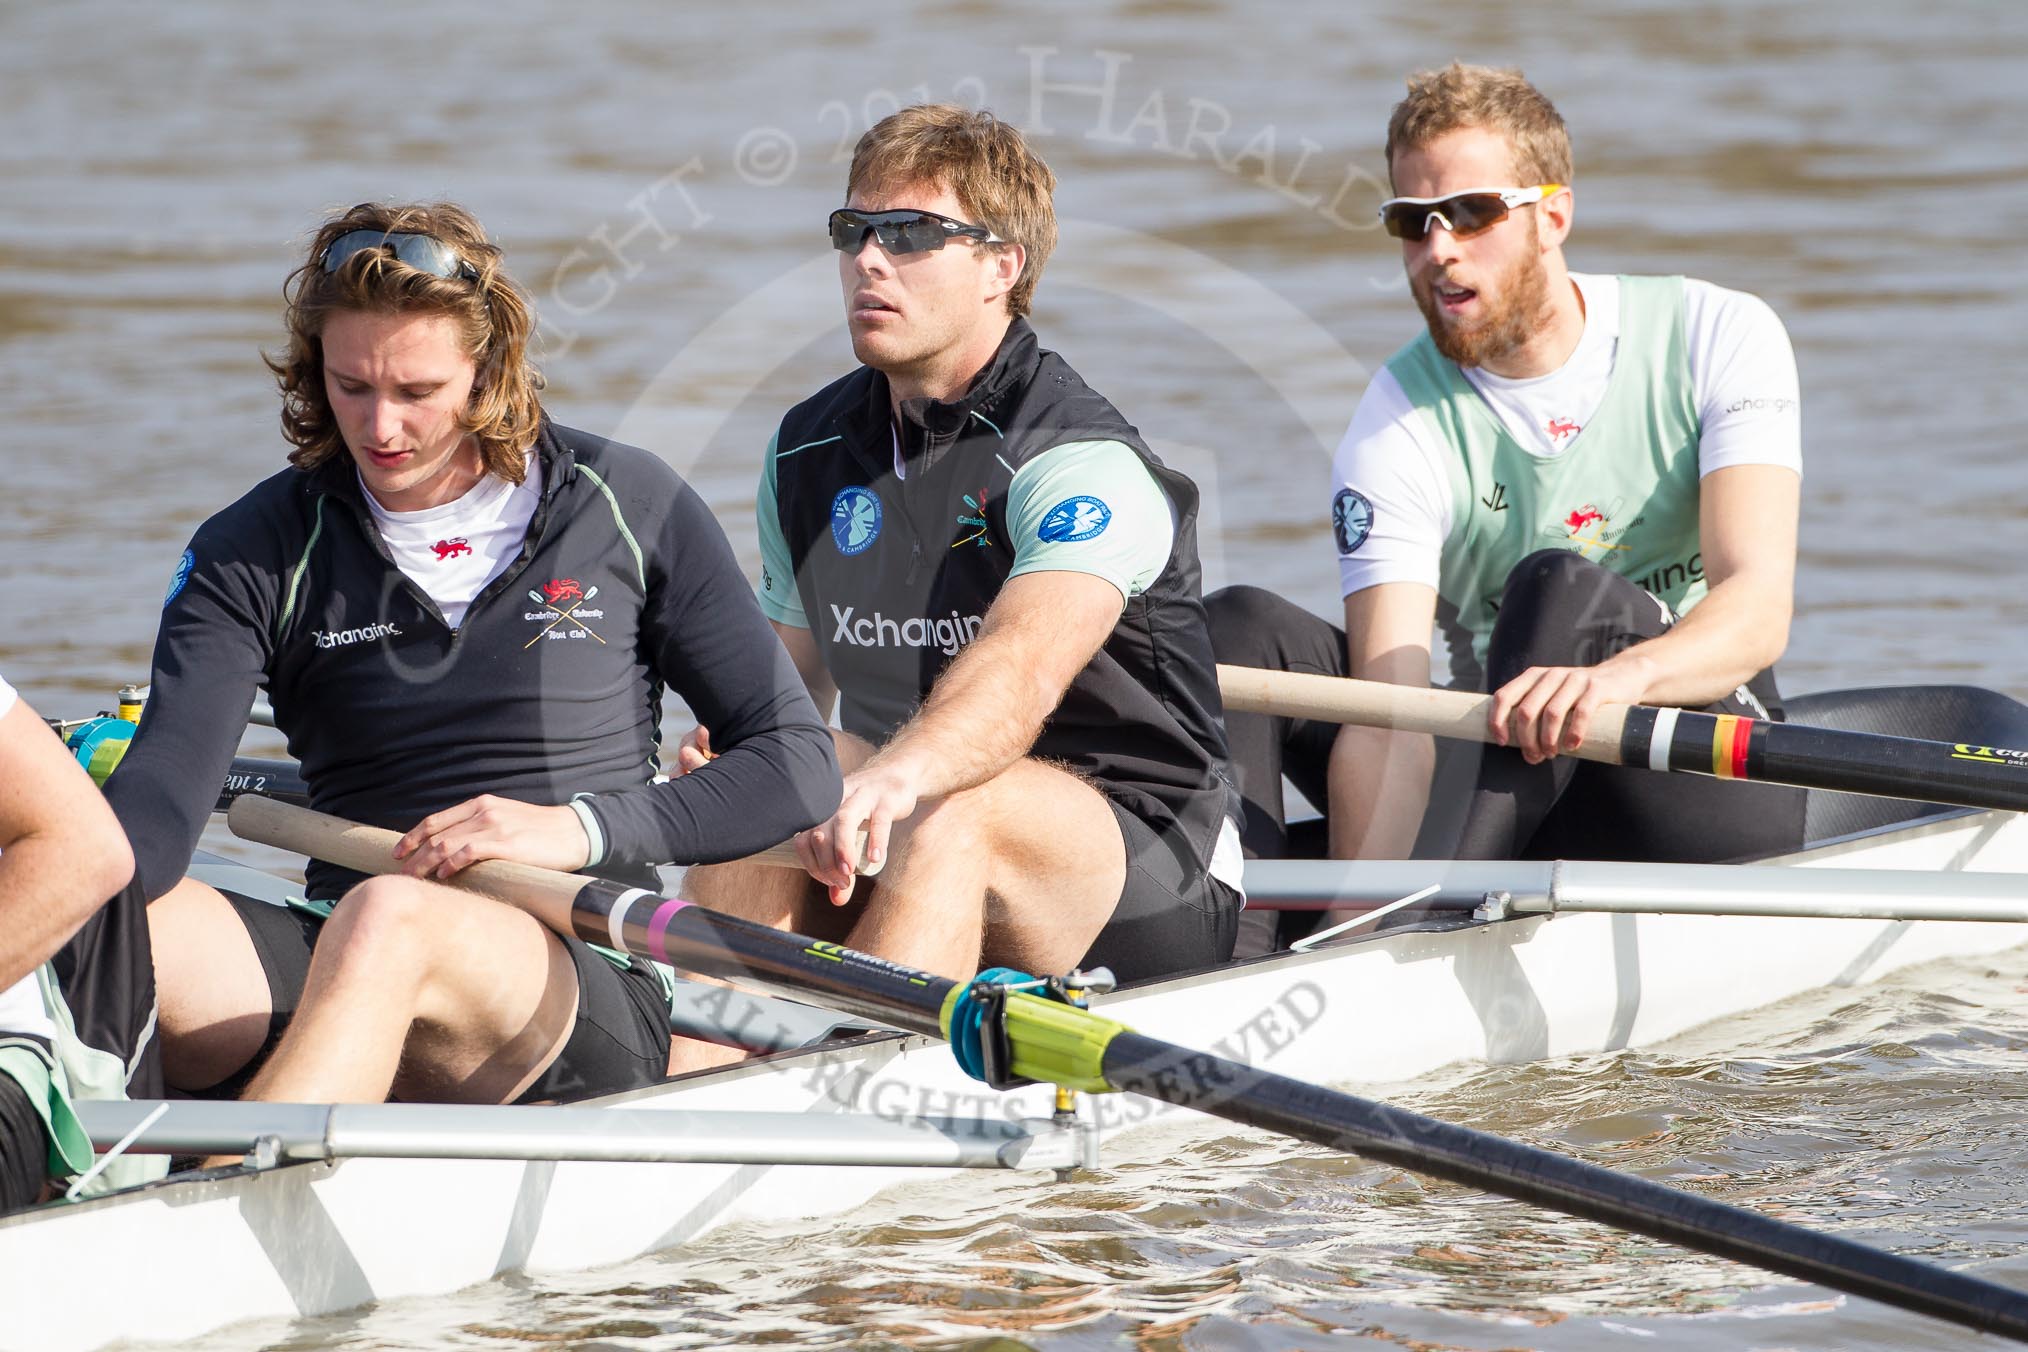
{"points": [[451, 548], [1563, 427], [1583, 516], [561, 589]]}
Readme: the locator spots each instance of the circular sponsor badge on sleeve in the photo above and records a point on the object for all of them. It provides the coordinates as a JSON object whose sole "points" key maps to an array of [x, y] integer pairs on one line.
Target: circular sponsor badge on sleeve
{"points": [[855, 520], [1351, 519], [183, 567], [1074, 519]]}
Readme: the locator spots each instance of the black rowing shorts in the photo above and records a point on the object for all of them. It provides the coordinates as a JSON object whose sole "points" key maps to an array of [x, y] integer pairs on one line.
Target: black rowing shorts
{"points": [[24, 1147], [620, 1041], [1171, 917]]}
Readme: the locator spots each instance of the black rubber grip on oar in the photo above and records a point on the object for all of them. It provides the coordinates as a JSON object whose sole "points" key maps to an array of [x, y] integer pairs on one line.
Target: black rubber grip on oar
{"points": [[1239, 1093]]}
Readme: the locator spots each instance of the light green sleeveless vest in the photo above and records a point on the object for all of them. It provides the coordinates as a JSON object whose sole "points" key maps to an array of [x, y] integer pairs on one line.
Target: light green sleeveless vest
{"points": [[1623, 493], [74, 1072]]}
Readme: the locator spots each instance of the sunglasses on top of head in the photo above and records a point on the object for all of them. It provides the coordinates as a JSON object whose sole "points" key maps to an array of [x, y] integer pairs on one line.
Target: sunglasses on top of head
{"points": [[902, 232], [424, 253], [1464, 214]]}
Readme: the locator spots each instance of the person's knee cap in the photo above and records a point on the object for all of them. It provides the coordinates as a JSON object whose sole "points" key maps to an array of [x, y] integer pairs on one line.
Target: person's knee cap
{"points": [[1547, 569], [381, 908], [1240, 619], [953, 824]]}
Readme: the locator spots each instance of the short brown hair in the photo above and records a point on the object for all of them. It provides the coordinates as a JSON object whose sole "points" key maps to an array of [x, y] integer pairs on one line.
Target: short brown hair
{"points": [[494, 320], [1458, 97], [986, 165]]}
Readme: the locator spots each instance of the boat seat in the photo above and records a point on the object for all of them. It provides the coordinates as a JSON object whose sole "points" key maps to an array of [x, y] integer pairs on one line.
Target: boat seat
{"points": [[1937, 713]]}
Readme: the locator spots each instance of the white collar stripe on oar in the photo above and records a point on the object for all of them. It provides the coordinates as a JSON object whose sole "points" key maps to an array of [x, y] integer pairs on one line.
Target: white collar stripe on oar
{"points": [[1725, 745], [1054, 1042]]}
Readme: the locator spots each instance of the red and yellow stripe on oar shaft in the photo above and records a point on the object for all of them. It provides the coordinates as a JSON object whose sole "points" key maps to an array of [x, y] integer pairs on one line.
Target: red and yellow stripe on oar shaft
{"points": [[1057, 1043], [1724, 745]]}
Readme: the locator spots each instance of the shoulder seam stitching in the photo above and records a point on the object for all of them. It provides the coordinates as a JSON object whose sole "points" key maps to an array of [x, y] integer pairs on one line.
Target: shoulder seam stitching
{"points": [[619, 520]]}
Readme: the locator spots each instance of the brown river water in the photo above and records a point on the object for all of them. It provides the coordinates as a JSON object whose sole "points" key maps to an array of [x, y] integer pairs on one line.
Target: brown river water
{"points": [[659, 175]]}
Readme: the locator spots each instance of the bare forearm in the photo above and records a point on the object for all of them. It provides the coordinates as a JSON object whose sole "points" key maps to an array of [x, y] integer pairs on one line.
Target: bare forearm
{"points": [[51, 883], [983, 714], [1380, 781], [62, 852], [1736, 632]]}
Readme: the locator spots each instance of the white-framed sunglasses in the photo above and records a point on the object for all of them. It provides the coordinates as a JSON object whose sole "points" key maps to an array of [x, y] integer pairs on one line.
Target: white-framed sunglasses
{"points": [[1464, 214]]}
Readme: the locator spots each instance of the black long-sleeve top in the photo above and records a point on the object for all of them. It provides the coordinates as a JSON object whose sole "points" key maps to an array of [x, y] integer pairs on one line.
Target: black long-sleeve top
{"points": [[549, 690]]}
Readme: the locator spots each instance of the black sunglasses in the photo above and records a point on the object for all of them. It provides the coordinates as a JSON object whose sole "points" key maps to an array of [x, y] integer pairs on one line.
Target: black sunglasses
{"points": [[902, 232], [424, 253]]}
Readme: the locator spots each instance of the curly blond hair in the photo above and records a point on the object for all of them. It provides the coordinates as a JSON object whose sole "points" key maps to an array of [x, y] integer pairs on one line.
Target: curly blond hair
{"points": [[495, 323], [1459, 96]]}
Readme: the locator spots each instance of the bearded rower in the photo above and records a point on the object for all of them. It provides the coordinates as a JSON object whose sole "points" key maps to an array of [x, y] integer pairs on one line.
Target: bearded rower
{"points": [[1587, 484]]}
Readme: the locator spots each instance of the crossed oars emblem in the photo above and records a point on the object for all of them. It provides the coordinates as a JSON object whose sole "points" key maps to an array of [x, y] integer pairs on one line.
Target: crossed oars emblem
{"points": [[562, 612]]}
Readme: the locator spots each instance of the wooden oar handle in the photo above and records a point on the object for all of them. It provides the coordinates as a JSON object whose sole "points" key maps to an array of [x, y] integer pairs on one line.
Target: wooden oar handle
{"points": [[1406, 708], [545, 893]]}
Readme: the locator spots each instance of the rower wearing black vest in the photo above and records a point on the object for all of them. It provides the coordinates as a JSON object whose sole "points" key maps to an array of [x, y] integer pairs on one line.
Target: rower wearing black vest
{"points": [[984, 561]]}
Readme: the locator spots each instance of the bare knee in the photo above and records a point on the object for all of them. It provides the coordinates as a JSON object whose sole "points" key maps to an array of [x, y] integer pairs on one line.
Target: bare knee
{"points": [[383, 923], [955, 827]]}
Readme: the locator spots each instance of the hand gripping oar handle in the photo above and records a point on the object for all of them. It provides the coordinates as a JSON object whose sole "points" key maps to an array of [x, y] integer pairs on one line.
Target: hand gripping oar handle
{"points": [[370, 849], [1722, 745], [1054, 1042], [670, 931]]}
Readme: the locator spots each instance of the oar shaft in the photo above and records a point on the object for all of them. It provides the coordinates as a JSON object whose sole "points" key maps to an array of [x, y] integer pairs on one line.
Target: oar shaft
{"points": [[270, 778], [1722, 745], [1341, 1121]]}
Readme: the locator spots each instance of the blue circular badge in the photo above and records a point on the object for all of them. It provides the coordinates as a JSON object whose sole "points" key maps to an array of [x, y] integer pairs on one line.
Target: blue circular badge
{"points": [[1351, 519], [1074, 519], [855, 520], [183, 567]]}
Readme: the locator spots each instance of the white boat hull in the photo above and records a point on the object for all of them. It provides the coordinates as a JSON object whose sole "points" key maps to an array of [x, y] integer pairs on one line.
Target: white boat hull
{"points": [[320, 1237]]}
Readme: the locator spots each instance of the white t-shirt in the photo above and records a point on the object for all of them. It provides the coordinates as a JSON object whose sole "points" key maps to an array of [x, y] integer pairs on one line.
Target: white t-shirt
{"points": [[21, 1004], [1743, 378], [452, 551]]}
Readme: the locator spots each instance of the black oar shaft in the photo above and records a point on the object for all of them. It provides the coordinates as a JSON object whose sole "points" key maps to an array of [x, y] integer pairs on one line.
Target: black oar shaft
{"points": [[1732, 747], [277, 779], [697, 939], [694, 938], [1341, 1121]]}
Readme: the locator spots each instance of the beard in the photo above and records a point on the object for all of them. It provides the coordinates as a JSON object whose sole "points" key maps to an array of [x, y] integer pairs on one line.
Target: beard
{"points": [[1522, 294]]}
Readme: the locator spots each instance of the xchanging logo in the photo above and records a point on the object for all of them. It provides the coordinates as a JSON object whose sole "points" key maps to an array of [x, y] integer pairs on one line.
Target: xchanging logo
{"points": [[946, 634], [340, 638]]}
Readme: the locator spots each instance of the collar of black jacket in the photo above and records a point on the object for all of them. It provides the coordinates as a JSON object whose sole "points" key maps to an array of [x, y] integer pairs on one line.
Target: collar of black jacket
{"points": [[929, 426]]}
